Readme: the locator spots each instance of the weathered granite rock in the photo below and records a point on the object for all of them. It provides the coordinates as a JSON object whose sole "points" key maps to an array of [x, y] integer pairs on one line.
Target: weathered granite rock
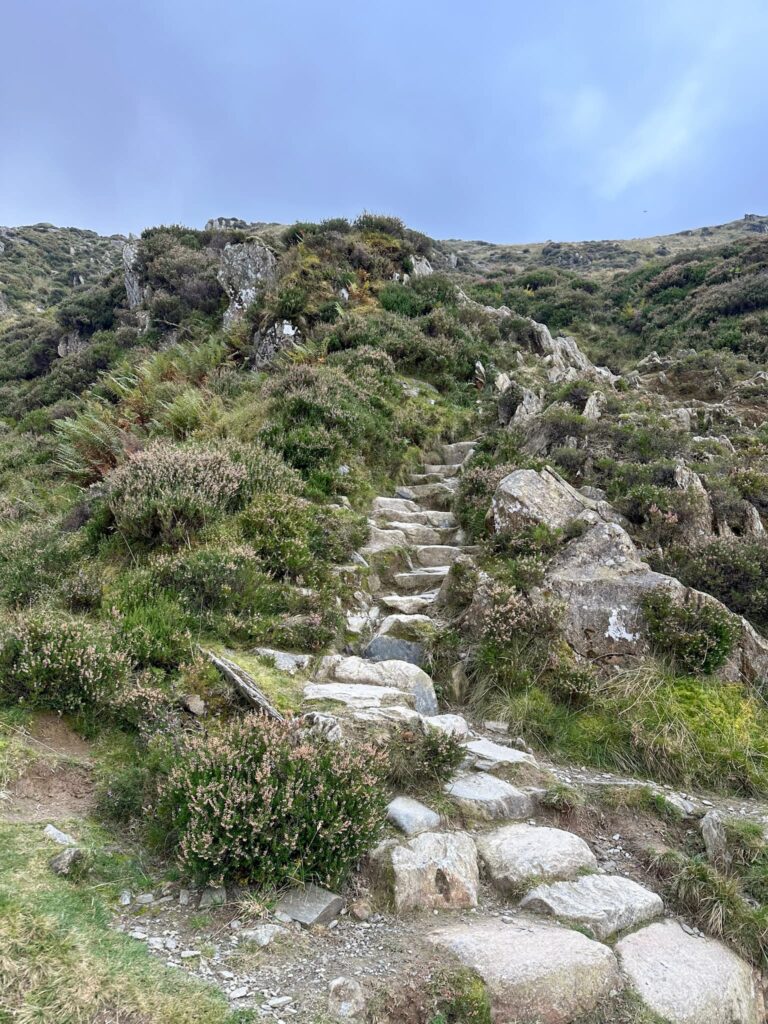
{"points": [[715, 840], [488, 755], [421, 267], [286, 661], [390, 648], [433, 871], [406, 627], [131, 278], [604, 904], [262, 934], [687, 979], [64, 863], [400, 675], [454, 725], [484, 796], [212, 896], [346, 999], [272, 339], [412, 817], [310, 905], [517, 855], [564, 357], [384, 540], [356, 695], [62, 838], [245, 267], [533, 971], [527, 498]]}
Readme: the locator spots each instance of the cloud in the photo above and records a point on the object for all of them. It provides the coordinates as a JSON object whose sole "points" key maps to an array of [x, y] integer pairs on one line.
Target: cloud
{"points": [[665, 137]]}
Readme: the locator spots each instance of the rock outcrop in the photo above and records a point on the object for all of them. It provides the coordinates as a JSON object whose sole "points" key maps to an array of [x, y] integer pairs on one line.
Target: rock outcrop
{"points": [[245, 267]]}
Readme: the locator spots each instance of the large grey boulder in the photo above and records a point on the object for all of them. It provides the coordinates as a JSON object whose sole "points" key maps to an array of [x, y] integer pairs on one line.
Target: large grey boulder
{"points": [[529, 498], [687, 979], [517, 855], [484, 796], [390, 648], [433, 871], [244, 268], [131, 278], [533, 970], [399, 675], [603, 904]]}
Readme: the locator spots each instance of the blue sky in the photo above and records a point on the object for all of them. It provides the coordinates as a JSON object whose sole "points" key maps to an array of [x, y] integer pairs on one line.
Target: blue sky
{"points": [[505, 121]]}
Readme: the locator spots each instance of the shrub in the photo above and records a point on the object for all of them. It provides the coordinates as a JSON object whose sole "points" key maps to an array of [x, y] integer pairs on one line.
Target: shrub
{"points": [[699, 638], [417, 759], [477, 486], [256, 803], [49, 660], [166, 493]]}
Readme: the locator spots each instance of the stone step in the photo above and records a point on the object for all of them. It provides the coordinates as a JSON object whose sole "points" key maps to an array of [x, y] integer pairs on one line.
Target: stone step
{"points": [[433, 555], [391, 648], [411, 816], [400, 675], [517, 855], [406, 627], [384, 540], [394, 505], [429, 478], [426, 517], [484, 796], [685, 978], [534, 970], [410, 604], [456, 454], [416, 533], [488, 756], [430, 496], [420, 579], [432, 871], [602, 904], [440, 469], [356, 695]]}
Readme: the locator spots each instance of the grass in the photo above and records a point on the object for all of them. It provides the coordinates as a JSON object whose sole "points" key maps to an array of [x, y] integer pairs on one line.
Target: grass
{"points": [[284, 690], [15, 754], [60, 959]]}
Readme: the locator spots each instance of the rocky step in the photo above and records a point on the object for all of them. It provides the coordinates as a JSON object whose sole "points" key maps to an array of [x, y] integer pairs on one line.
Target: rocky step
{"points": [[534, 970], [410, 604], [430, 555], [483, 796], [383, 504], [432, 478], [399, 675], [356, 695], [440, 469], [515, 856], [418, 533], [487, 756], [420, 579], [432, 871], [457, 453], [436, 497], [425, 517], [601, 904], [404, 626]]}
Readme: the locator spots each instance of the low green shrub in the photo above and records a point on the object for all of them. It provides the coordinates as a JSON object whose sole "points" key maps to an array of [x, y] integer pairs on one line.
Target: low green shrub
{"points": [[698, 638], [418, 760], [477, 486], [255, 803]]}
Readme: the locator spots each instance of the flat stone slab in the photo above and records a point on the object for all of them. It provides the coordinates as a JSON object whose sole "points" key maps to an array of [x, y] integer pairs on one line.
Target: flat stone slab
{"points": [[384, 540], [604, 904], [391, 673], [488, 755], [409, 604], [406, 627], [420, 579], [356, 695], [533, 971], [394, 505], [436, 554], [687, 979], [412, 817], [484, 796], [454, 725], [310, 905], [433, 871], [418, 533], [424, 517], [518, 855]]}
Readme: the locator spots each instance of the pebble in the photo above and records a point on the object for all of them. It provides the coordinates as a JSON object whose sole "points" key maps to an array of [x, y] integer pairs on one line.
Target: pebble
{"points": [[145, 899], [187, 954], [238, 993]]}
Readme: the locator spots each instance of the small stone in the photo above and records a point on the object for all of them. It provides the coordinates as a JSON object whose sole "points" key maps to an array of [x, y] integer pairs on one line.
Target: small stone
{"points": [[51, 832], [279, 1001], [189, 954], [360, 910], [412, 817], [310, 905], [238, 993], [715, 840], [125, 898], [145, 898], [212, 896], [346, 999], [194, 704], [263, 934], [65, 862]]}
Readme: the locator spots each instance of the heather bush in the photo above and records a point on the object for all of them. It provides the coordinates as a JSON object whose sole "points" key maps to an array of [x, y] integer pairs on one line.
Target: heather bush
{"points": [[50, 660], [698, 638], [168, 492], [477, 485], [256, 803]]}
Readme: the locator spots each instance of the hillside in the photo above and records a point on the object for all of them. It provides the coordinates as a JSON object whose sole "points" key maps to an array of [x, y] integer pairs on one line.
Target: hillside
{"points": [[356, 620]]}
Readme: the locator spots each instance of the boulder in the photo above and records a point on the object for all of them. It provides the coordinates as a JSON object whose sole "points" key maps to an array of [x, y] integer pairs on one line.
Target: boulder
{"points": [[603, 904], [433, 871], [688, 979], [346, 999], [67, 861], [397, 675], [453, 725], [533, 970], [133, 289], [517, 855], [406, 627], [390, 648], [355, 695], [563, 356], [62, 838], [244, 269], [484, 796], [527, 498], [412, 817], [384, 540]]}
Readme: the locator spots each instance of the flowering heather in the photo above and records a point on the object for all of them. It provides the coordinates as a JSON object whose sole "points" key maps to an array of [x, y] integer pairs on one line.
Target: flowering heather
{"points": [[256, 803], [51, 661], [168, 491]]}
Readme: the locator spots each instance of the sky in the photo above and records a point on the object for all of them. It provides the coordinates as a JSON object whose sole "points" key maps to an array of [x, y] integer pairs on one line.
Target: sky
{"points": [[499, 120]]}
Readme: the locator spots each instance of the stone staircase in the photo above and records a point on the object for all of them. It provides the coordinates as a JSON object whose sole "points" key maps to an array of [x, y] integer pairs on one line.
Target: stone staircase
{"points": [[552, 953]]}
